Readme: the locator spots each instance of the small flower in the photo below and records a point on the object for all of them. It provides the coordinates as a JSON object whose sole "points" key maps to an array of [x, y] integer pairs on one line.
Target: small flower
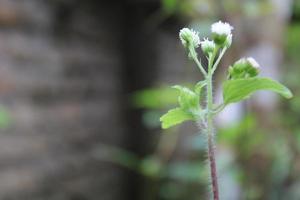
{"points": [[207, 46], [221, 28], [221, 32], [189, 37]]}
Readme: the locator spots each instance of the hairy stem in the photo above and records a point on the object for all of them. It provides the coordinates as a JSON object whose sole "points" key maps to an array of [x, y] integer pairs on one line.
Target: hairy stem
{"points": [[210, 133], [219, 59], [210, 140], [213, 170], [195, 58]]}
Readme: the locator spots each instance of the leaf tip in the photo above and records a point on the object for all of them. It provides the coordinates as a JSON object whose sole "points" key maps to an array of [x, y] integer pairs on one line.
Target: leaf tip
{"points": [[163, 126], [289, 94]]}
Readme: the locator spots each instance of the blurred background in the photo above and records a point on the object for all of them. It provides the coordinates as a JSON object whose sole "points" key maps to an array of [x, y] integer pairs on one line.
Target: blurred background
{"points": [[83, 84]]}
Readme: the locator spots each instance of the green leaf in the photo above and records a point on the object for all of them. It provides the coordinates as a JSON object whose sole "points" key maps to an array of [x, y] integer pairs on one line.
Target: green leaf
{"points": [[239, 89], [174, 117], [188, 100], [199, 86]]}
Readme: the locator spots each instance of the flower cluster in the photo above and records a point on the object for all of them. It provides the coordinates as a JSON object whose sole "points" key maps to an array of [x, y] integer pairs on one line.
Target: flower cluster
{"points": [[221, 33], [242, 82], [221, 39]]}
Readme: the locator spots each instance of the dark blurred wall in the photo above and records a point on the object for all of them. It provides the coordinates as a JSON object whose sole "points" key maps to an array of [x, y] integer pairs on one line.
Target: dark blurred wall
{"points": [[60, 80]]}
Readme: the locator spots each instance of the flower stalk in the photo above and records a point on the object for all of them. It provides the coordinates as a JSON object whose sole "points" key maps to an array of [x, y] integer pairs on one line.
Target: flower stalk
{"points": [[209, 127], [222, 40], [242, 82]]}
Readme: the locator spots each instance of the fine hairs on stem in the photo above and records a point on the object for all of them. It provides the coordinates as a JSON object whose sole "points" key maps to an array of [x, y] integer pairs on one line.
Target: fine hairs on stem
{"points": [[242, 81]]}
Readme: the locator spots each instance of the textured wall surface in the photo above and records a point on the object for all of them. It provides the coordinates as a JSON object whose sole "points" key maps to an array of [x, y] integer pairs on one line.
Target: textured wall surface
{"points": [[59, 81]]}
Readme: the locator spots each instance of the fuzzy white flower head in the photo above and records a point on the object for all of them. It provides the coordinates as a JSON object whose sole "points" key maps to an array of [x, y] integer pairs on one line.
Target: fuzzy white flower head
{"points": [[221, 28], [189, 37], [253, 62], [207, 46], [221, 33]]}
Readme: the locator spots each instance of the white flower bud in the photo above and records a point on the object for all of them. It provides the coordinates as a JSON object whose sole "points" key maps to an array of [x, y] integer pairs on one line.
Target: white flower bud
{"points": [[189, 37], [244, 68], [221, 31], [208, 46]]}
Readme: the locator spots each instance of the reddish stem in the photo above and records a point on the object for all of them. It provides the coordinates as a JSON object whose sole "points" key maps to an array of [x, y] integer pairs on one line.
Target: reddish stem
{"points": [[213, 170]]}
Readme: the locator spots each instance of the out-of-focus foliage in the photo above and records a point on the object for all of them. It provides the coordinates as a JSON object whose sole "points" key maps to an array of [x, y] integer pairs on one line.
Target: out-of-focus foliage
{"points": [[292, 63], [5, 119], [172, 176], [207, 8], [296, 8], [263, 157], [188, 8], [155, 98], [169, 6]]}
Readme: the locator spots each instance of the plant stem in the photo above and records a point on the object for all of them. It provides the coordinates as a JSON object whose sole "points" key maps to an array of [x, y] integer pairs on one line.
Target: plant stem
{"points": [[200, 66], [195, 58], [218, 60], [210, 140], [210, 133]]}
